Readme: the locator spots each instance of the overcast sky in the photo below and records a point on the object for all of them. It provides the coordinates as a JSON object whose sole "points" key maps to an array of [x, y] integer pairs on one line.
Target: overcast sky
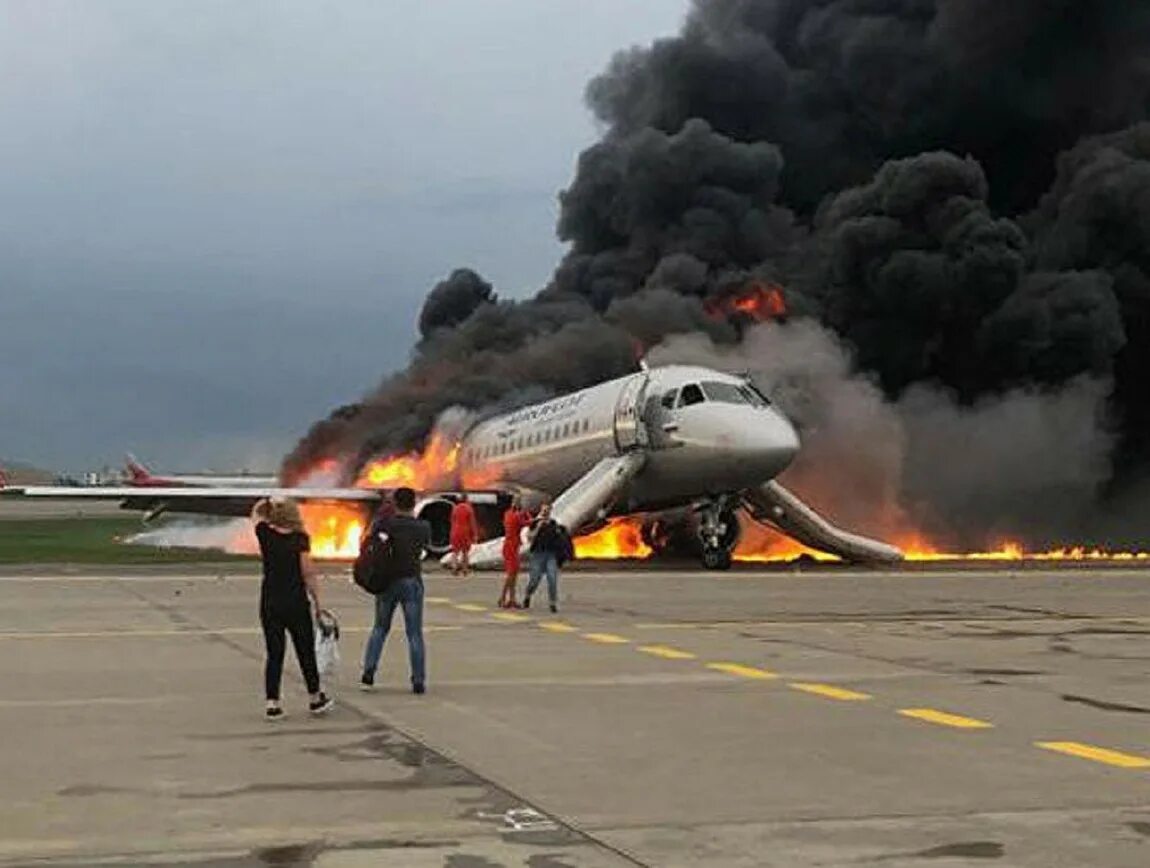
{"points": [[218, 219]]}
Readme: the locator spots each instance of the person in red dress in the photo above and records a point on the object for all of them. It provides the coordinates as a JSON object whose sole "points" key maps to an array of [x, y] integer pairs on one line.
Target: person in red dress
{"points": [[464, 534], [515, 519]]}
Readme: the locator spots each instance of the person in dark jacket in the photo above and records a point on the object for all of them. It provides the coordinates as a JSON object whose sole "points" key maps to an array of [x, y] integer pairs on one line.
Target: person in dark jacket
{"points": [[550, 548], [410, 538], [288, 597]]}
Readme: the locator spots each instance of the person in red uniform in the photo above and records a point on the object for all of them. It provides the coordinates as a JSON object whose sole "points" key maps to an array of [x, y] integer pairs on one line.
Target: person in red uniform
{"points": [[515, 519], [464, 534]]}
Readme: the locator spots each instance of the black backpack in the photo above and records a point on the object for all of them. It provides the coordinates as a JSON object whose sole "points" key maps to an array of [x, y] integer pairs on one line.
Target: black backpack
{"points": [[566, 546], [375, 566]]}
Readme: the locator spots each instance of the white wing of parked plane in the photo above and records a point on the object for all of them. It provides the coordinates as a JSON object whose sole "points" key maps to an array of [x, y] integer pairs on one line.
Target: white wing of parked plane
{"points": [[253, 494], [233, 501], [230, 501]]}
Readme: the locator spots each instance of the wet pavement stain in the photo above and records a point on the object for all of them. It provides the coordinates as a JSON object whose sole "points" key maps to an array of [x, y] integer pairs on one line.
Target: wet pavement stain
{"points": [[998, 633], [548, 860], [397, 844], [1005, 672], [1104, 705], [382, 744], [292, 854], [416, 782], [463, 860], [277, 731], [303, 855], [478, 800], [1105, 631], [961, 850], [1141, 828], [1053, 635], [84, 790]]}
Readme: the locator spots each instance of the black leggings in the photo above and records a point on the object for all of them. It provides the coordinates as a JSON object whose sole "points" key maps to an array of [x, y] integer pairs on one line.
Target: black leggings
{"points": [[297, 621]]}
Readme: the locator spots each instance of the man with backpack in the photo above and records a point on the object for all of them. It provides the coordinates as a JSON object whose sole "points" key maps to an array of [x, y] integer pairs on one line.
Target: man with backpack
{"points": [[551, 547], [390, 567]]}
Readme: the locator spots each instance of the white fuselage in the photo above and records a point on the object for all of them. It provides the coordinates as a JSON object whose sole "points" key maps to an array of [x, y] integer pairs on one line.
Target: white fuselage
{"points": [[705, 433]]}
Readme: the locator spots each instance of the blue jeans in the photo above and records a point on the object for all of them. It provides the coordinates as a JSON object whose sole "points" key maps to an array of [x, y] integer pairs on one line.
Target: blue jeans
{"points": [[540, 564], [407, 593]]}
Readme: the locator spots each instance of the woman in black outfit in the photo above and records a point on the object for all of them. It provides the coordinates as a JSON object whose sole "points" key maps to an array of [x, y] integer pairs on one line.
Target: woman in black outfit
{"points": [[288, 596]]}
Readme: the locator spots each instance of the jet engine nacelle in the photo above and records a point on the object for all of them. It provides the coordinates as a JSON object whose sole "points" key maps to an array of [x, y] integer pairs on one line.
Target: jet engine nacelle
{"points": [[436, 511]]}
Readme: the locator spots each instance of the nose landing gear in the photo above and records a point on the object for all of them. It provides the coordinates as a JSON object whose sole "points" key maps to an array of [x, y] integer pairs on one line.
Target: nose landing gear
{"points": [[718, 532]]}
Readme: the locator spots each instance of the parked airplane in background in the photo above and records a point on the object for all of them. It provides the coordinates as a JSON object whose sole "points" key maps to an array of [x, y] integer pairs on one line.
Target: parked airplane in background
{"points": [[139, 476], [676, 436]]}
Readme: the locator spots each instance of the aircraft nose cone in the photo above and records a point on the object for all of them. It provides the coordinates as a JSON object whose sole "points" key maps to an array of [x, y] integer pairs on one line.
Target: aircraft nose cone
{"points": [[773, 445]]}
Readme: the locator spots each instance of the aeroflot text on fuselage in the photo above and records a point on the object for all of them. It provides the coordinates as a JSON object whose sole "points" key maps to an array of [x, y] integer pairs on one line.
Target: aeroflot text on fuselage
{"points": [[545, 411]]}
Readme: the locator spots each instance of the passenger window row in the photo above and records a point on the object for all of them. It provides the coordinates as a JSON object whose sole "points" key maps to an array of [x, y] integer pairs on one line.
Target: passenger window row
{"points": [[548, 435]]}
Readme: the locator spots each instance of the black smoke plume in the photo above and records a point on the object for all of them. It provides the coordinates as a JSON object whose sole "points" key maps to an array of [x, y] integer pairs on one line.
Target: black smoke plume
{"points": [[452, 301], [958, 189]]}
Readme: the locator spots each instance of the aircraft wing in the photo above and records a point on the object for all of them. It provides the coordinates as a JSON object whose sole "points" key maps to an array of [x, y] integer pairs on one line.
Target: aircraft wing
{"points": [[231, 501]]}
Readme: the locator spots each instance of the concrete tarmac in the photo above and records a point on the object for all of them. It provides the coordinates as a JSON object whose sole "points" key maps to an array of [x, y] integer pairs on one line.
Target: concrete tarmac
{"points": [[991, 718]]}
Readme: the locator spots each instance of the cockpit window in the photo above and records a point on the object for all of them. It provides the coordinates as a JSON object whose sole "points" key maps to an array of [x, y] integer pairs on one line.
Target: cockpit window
{"points": [[726, 393], [669, 399], [691, 394]]}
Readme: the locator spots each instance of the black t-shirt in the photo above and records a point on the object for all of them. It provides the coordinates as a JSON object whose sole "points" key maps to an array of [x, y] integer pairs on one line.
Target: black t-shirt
{"points": [[410, 538], [283, 572], [547, 538]]}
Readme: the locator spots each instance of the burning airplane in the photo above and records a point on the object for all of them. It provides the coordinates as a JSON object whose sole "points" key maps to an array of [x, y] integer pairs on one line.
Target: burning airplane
{"points": [[662, 438]]}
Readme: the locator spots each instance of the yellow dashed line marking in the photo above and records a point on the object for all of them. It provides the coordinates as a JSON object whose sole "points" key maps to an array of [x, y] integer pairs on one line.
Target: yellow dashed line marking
{"points": [[513, 617], [1098, 754], [437, 599], [666, 652], [830, 691], [558, 627], [742, 671], [942, 718], [470, 607], [606, 638]]}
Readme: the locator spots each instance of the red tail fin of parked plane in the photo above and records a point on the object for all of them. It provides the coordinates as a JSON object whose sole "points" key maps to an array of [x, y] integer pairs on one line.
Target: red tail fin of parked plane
{"points": [[139, 474]]}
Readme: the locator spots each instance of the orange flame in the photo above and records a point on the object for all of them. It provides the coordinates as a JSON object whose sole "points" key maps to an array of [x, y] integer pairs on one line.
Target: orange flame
{"points": [[623, 538], [334, 528], [435, 466], [619, 538], [758, 300]]}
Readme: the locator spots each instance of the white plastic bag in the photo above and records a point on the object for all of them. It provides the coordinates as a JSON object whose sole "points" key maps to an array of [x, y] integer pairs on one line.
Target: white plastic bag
{"points": [[326, 643]]}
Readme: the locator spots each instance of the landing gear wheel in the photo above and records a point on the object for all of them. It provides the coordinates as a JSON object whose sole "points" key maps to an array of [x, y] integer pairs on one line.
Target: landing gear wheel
{"points": [[716, 558]]}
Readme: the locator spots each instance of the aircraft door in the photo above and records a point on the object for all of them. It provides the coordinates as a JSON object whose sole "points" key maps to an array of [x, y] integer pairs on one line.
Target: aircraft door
{"points": [[630, 431], [661, 419]]}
